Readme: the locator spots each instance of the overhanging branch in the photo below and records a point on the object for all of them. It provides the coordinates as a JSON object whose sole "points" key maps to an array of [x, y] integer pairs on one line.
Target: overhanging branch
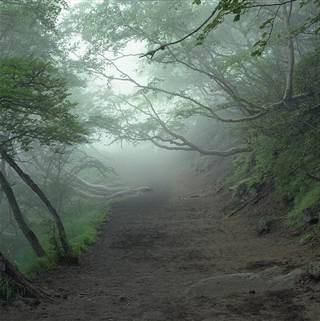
{"points": [[218, 9]]}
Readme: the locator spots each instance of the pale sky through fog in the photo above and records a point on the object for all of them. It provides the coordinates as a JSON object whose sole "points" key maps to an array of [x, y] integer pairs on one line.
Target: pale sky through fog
{"points": [[73, 2], [127, 64]]}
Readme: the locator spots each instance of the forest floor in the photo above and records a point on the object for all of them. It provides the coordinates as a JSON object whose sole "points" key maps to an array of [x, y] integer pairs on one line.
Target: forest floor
{"points": [[174, 255]]}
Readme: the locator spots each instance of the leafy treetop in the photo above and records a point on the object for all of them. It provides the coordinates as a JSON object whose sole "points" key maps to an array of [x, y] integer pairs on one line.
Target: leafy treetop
{"points": [[34, 105]]}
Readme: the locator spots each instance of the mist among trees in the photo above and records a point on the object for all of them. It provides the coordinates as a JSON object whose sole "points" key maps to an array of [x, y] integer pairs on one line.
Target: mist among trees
{"points": [[96, 95]]}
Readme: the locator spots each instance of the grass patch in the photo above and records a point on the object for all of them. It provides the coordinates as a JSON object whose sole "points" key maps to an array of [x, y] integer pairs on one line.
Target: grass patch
{"points": [[82, 232], [302, 201], [81, 224], [7, 289]]}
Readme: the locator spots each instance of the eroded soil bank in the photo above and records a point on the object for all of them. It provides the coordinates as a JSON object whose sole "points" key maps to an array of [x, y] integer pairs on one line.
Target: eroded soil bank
{"points": [[162, 257]]}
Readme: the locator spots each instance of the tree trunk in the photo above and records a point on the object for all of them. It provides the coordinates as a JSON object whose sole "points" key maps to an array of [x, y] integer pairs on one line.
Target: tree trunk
{"points": [[3, 169], [10, 271], [29, 181], [27, 232], [288, 92]]}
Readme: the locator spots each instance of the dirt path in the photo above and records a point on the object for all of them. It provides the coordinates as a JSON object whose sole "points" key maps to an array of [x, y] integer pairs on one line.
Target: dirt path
{"points": [[155, 248]]}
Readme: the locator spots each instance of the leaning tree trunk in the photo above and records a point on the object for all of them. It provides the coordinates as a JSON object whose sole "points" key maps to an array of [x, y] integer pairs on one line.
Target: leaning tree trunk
{"points": [[9, 271], [3, 169], [29, 181], [27, 232]]}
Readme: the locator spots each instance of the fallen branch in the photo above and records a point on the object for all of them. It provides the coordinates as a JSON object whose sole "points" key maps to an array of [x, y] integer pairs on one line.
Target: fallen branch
{"points": [[251, 201], [116, 194]]}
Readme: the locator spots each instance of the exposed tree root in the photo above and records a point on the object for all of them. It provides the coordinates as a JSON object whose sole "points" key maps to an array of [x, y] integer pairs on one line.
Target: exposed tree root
{"points": [[24, 285], [253, 200]]}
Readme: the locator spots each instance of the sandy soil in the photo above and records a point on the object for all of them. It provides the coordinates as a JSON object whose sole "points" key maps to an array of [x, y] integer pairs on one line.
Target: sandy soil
{"points": [[158, 246]]}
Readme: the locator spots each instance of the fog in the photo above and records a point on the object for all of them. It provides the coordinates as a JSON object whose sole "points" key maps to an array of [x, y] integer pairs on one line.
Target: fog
{"points": [[105, 100], [146, 166]]}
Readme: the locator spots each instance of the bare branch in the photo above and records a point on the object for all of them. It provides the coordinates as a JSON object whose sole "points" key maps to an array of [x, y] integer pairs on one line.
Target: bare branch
{"points": [[217, 9], [212, 113], [151, 53], [189, 145]]}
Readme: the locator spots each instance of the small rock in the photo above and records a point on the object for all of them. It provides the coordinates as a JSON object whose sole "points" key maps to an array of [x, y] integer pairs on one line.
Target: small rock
{"points": [[264, 226], [195, 196], [122, 299], [286, 281], [18, 304], [311, 216], [240, 189], [313, 271], [153, 316], [225, 285], [31, 302]]}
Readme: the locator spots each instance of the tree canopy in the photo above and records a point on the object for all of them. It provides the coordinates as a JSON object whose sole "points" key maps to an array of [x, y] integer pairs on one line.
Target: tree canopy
{"points": [[236, 79], [34, 105]]}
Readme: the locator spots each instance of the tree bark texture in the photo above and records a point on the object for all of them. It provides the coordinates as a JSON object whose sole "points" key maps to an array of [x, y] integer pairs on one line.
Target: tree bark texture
{"points": [[27, 232]]}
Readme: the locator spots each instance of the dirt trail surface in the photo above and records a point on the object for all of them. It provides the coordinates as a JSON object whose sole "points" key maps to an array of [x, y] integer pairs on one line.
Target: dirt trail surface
{"points": [[173, 255]]}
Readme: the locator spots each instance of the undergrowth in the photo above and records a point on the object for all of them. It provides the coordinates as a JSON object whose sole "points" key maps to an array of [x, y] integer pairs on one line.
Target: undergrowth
{"points": [[7, 289], [286, 149], [81, 224], [286, 164]]}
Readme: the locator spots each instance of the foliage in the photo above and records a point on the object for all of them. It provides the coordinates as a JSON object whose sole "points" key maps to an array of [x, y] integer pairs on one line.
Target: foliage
{"points": [[238, 9], [83, 229], [38, 115], [81, 224], [286, 146], [226, 73], [46, 11], [308, 198], [307, 74], [7, 288], [34, 105]]}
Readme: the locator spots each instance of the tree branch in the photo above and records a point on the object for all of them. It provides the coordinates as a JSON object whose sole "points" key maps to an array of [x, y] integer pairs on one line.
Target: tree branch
{"points": [[218, 8], [189, 145], [151, 53], [291, 58]]}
